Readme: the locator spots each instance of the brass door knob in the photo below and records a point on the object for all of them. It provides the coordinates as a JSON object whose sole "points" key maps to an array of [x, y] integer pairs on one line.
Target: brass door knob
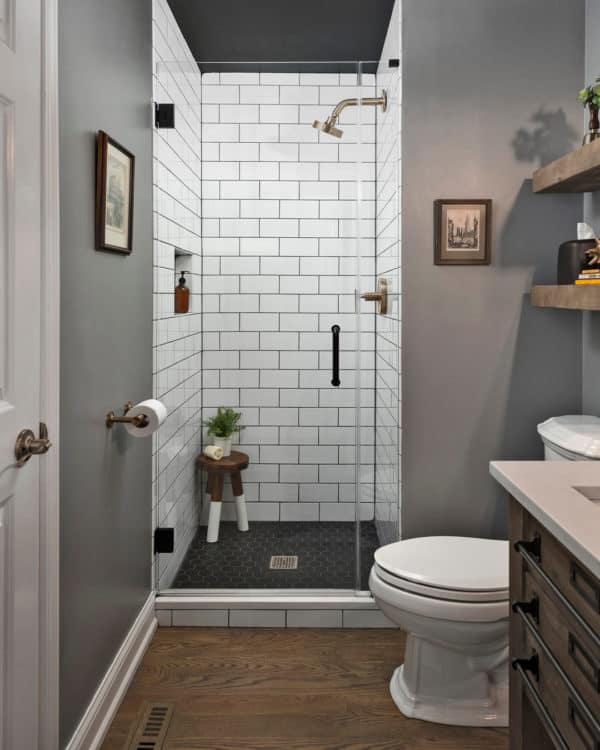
{"points": [[27, 445], [380, 297]]}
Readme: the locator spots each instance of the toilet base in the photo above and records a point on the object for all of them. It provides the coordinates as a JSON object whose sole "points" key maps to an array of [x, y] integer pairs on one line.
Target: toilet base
{"points": [[452, 686], [492, 712]]}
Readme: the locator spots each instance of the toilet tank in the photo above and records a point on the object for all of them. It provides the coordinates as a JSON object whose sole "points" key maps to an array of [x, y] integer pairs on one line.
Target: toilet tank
{"points": [[574, 437]]}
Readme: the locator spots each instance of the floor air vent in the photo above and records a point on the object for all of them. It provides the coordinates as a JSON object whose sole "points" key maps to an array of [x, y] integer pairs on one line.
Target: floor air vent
{"points": [[151, 730], [284, 562]]}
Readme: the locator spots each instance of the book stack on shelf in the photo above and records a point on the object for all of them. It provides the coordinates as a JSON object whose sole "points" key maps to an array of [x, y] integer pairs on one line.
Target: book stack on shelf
{"points": [[589, 276]]}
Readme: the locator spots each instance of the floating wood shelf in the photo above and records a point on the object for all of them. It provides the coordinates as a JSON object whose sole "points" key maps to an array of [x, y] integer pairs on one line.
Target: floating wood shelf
{"points": [[577, 172], [566, 297]]}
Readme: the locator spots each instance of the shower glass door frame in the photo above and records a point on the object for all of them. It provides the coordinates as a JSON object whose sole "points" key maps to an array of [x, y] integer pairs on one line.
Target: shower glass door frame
{"points": [[356, 314]]}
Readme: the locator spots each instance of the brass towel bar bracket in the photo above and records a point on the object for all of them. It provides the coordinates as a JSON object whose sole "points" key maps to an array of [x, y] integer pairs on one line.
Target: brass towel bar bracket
{"points": [[140, 421], [380, 297]]}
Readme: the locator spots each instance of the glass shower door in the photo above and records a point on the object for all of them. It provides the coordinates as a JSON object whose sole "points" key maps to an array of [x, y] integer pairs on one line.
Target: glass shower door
{"points": [[274, 219]]}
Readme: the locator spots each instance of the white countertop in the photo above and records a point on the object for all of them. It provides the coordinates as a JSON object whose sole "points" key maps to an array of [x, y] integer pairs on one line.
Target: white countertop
{"points": [[546, 490]]}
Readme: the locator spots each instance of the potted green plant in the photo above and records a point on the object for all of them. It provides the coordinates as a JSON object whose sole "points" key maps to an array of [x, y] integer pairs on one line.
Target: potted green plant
{"points": [[223, 426], [590, 97]]}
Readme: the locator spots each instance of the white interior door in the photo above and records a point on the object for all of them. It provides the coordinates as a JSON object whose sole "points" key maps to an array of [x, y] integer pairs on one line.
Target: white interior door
{"points": [[20, 324]]}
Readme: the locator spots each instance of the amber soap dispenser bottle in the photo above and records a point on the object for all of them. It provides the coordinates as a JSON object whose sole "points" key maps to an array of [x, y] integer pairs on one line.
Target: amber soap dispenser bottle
{"points": [[182, 295]]}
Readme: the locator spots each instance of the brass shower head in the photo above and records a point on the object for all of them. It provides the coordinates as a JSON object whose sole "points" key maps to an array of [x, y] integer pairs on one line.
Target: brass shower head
{"points": [[328, 127]]}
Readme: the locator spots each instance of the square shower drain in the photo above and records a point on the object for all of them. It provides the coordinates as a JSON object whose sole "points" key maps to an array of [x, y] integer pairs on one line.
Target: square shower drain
{"points": [[284, 562]]}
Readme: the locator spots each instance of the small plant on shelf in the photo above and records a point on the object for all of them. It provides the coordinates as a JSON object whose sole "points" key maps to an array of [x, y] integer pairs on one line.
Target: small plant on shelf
{"points": [[223, 426], [590, 97]]}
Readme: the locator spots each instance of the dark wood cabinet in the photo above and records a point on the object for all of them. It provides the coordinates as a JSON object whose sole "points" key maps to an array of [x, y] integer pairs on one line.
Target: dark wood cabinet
{"points": [[554, 642]]}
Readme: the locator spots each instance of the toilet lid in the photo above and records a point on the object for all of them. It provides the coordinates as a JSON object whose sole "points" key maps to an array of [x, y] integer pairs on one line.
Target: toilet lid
{"points": [[448, 562]]}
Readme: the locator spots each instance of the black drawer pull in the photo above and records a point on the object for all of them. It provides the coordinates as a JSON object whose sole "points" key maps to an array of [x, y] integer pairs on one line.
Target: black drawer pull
{"points": [[540, 709], [585, 586], [529, 608], [528, 665], [564, 602], [586, 664], [533, 548], [586, 733], [335, 350], [573, 694]]}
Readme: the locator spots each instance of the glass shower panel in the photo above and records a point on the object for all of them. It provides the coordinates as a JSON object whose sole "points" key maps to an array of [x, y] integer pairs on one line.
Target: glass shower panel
{"points": [[364, 352], [286, 244]]}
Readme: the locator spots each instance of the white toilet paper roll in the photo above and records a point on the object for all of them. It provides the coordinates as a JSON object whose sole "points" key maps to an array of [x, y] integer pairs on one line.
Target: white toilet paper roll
{"points": [[155, 412], [214, 451]]}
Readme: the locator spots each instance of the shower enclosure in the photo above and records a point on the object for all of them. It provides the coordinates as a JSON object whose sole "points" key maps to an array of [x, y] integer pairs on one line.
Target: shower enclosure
{"points": [[265, 193]]}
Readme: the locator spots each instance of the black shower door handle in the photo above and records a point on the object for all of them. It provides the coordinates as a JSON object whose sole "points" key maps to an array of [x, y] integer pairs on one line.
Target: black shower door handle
{"points": [[335, 349]]}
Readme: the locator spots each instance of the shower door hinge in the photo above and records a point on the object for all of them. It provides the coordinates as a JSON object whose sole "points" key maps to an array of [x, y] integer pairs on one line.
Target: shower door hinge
{"points": [[164, 115], [164, 540]]}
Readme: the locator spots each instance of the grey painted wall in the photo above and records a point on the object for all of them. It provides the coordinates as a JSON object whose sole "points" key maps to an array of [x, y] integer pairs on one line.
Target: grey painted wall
{"points": [[591, 321], [481, 367], [106, 346]]}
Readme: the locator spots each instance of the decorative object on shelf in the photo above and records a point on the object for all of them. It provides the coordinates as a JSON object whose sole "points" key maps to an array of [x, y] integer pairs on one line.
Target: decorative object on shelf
{"points": [[114, 195], [222, 427], [182, 295], [590, 97], [591, 273], [592, 256], [571, 260], [463, 235]]}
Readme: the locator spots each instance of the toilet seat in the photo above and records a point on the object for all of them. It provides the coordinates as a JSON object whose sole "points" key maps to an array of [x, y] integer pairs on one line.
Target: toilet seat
{"points": [[461, 569], [436, 592], [438, 609]]}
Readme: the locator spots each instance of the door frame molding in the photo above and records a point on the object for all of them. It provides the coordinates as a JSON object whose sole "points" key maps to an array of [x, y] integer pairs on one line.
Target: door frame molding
{"points": [[49, 609]]}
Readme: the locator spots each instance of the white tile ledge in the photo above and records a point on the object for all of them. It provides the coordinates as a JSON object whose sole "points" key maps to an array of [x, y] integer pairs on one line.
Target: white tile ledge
{"points": [[220, 602]]}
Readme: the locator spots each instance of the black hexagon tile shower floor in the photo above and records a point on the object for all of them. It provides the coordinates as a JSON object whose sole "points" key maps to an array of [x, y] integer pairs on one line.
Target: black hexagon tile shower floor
{"points": [[242, 560]]}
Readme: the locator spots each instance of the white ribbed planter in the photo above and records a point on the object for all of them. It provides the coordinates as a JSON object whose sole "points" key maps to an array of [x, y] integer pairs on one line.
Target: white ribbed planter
{"points": [[224, 443]]}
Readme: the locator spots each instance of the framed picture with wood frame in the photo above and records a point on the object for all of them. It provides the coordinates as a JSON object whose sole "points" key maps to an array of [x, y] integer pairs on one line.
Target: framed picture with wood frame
{"points": [[114, 195], [463, 232]]}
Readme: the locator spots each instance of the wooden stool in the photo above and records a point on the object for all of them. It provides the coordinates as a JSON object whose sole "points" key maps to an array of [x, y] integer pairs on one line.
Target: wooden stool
{"points": [[234, 464]]}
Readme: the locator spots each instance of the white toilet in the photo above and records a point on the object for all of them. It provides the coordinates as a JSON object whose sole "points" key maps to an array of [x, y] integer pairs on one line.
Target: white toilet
{"points": [[450, 595]]}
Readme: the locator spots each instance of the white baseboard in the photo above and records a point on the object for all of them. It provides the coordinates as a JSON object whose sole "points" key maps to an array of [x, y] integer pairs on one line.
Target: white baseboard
{"points": [[102, 709]]}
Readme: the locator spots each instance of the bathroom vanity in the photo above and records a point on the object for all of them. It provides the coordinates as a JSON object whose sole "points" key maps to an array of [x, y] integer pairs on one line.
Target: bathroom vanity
{"points": [[555, 603]]}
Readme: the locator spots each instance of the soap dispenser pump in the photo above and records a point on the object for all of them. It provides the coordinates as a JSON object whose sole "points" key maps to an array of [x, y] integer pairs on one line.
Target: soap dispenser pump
{"points": [[182, 295]]}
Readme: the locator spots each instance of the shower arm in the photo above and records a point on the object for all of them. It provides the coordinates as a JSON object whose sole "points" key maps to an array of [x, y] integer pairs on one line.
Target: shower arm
{"points": [[366, 101]]}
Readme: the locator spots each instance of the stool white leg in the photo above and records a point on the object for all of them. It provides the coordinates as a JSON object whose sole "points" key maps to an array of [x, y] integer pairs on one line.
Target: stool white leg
{"points": [[214, 519], [242, 514]]}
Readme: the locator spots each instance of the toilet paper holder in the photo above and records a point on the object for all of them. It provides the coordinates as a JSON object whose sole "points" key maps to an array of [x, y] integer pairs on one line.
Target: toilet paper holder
{"points": [[140, 421]]}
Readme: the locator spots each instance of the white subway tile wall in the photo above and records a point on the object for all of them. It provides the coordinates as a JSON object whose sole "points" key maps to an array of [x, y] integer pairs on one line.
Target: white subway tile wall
{"points": [[279, 226], [388, 263], [177, 338]]}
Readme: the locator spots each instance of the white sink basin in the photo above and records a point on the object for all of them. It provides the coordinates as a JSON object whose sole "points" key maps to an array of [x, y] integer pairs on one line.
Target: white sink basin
{"points": [[592, 493]]}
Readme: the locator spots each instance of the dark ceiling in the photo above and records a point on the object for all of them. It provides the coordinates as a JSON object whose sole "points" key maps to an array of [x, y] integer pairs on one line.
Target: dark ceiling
{"points": [[283, 30]]}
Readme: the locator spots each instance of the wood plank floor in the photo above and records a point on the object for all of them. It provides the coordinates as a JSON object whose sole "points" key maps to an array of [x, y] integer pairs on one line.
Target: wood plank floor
{"points": [[246, 689]]}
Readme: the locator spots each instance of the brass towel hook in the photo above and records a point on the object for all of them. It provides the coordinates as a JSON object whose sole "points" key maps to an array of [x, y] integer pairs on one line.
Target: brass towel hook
{"points": [[380, 296], [140, 421]]}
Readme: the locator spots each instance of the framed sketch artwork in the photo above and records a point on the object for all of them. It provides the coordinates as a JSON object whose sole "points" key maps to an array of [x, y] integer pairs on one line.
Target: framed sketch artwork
{"points": [[114, 195], [463, 232]]}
